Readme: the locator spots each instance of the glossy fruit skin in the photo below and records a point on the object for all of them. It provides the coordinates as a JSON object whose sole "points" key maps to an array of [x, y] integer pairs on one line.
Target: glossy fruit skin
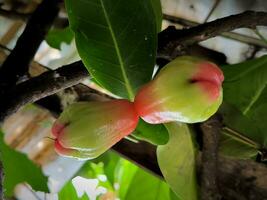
{"points": [[187, 89], [85, 130]]}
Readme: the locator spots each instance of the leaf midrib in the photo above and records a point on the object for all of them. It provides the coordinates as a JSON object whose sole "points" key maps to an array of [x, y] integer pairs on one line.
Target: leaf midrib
{"points": [[122, 67], [254, 99], [259, 90], [244, 73]]}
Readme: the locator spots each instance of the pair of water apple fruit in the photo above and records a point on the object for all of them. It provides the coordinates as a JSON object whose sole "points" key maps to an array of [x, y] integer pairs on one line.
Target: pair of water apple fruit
{"points": [[187, 89]]}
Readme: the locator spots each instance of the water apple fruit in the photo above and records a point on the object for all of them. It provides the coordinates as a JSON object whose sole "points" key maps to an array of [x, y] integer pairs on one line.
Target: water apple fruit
{"points": [[188, 90], [85, 130]]}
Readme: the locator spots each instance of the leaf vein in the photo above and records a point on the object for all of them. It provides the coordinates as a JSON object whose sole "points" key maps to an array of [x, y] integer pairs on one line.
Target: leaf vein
{"points": [[254, 99], [124, 75]]}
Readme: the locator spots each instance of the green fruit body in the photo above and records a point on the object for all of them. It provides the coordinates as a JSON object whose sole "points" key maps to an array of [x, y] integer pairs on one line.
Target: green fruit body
{"points": [[85, 130], [187, 89]]}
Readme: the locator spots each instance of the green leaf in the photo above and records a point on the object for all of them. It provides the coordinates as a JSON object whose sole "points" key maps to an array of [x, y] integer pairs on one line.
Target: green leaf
{"points": [[117, 41], [238, 122], [18, 169], [110, 166], [84, 197], [173, 196], [156, 4], [235, 148], [144, 186], [177, 161], [92, 170], [245, 89], [57, 36], [124, 174], [110, 162], [127, 178], [236, 140], [69, 192], [156, 134]]}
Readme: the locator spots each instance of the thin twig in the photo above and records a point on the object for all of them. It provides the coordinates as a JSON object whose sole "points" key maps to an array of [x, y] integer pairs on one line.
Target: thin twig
{"points": [[211, 134], [240, 137], [260, 35], [230, 35], [214, 6], [172, 42]]}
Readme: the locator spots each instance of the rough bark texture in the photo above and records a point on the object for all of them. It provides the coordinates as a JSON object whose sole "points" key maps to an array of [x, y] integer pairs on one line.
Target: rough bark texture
{"points": [[242, 179], [211, 136], [172, 42], [42, 86]]}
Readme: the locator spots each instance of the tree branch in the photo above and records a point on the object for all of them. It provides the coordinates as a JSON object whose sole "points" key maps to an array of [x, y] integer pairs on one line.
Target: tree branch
{"points": [[242, 179], [211, 135], [42, 86], [214, 6], [172, 42], [230, 35], [12, 14], [17, 63], [238, 179]]}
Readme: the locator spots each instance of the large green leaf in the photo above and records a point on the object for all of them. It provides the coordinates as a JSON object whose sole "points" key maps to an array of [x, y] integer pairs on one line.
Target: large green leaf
{"points": [[128, 176], [110, 166], [124, 174], [236, 140], [245, 89], [19, 169], [127, 179], [104, 164], [156, 134], [177, 161], [116, 40], [157, 12], [144, 186]]}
